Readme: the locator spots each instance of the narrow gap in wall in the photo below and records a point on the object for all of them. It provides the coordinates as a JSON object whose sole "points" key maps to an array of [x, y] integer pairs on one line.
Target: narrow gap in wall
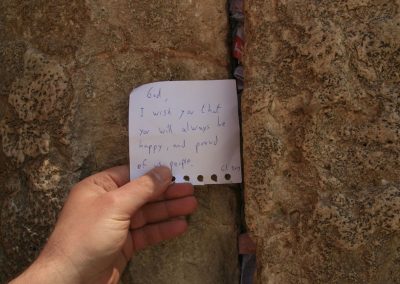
{"points": [[247, 257]]}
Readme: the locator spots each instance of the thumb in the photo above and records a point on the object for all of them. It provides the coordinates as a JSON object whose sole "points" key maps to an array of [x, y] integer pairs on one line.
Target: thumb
{"points": [[136, 193]]}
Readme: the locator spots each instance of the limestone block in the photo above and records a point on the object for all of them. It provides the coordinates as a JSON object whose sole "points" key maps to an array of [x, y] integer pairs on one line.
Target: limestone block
{"points": [[67, 70], [321, 140]]}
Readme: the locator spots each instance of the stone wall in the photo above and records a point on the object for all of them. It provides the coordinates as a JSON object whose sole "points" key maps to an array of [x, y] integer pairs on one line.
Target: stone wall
{"points": [[321, 127], [67, 68]]}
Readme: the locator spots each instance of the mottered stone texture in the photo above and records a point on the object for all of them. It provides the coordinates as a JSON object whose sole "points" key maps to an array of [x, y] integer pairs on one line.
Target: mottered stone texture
{"points": [[67, 68], [321, 123]]}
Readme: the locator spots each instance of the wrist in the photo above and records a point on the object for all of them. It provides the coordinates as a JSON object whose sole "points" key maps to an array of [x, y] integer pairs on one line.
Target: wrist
{"points": [[48, 270]]}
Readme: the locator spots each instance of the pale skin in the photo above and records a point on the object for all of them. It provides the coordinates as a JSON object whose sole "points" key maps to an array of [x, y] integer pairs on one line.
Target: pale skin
{"points": [[105, 220]]}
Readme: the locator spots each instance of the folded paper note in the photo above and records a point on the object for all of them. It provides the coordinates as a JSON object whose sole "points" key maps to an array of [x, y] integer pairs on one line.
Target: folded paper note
{"points": [[192, 127]]}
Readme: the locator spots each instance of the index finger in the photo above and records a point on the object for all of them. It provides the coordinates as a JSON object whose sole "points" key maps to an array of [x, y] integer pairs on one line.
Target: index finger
{"points": [[175, 190]]}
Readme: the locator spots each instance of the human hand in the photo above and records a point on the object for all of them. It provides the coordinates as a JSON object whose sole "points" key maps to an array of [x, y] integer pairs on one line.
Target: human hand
{"points": [[105, 220]]}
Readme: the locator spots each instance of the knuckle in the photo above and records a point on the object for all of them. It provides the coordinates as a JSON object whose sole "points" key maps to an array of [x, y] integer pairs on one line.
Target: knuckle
{"points": [[147, 183], [110, 199], [138, 220], [104, 181]]}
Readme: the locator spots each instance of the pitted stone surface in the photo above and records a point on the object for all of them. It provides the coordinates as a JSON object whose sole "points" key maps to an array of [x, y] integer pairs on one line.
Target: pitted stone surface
{"points": [[321, 140], [40, 91], [34, 126], [40, 95], [69, 69]]}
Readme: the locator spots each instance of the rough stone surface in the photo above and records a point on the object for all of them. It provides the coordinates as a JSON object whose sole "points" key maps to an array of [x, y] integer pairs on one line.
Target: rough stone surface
{"points": [[321, 122], [67, 70]]}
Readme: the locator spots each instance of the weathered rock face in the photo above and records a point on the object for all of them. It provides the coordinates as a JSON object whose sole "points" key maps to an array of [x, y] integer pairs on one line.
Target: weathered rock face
{"points": [[67, 70], [321, 119]]}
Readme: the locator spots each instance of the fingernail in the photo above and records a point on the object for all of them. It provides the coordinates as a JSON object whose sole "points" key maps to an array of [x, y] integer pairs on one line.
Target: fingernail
{"points": [[162, 174]]}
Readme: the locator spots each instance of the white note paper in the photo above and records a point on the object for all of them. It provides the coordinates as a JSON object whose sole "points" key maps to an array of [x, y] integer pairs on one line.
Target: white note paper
{"points": [[192, 127]]}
